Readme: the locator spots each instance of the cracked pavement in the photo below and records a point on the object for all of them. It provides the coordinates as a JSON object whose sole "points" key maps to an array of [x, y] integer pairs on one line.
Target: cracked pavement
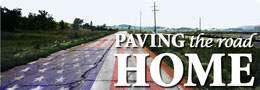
{"points": [[90, 66]]}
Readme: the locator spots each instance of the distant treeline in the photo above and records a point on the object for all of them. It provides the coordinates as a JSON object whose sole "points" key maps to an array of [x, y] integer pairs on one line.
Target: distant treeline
{"points": [[12, 20]]}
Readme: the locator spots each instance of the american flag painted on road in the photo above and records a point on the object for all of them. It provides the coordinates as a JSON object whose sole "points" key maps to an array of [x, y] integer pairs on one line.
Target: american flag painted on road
{"points": [[86, 67]]}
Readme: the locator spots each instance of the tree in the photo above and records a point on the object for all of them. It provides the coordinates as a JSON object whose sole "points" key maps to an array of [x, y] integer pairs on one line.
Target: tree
{"points": [[77, 23], [104, 27], [10, 18], [91, 23], [91, 26], [13, 20], [44, 21], [62, 25], [129, 27], [86, 26], [41, 21]]}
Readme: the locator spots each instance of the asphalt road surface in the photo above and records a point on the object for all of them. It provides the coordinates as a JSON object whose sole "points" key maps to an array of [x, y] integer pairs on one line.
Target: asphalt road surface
{"points": [[90, 66]]}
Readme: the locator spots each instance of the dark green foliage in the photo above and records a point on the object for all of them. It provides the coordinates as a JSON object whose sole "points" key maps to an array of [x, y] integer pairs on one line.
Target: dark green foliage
{"points": [[86, 25], [63, 25], [89, 26], [98, 27], [102, 27], [77, 23], [10, 18], [13, 20], [91, 23]]}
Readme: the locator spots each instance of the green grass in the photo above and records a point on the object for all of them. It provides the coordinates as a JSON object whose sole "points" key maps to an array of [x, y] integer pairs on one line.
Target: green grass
{"points": [[19, 48]]}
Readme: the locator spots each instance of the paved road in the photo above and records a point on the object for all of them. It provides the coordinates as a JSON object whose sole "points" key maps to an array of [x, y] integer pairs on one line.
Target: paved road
{"points": [[90, 66]]}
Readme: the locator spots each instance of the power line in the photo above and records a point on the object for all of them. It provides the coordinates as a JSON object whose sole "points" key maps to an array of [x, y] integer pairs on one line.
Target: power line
{"points": [[140, 21], [154, 12]]}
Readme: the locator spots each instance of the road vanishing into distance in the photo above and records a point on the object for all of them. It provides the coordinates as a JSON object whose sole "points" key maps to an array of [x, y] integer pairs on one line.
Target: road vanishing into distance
{"points": [[90, 66]]}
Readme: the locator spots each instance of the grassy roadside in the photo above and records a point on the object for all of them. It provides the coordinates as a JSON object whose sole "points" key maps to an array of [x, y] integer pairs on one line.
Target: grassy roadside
{"points": [[19, 48], [205, 55]]}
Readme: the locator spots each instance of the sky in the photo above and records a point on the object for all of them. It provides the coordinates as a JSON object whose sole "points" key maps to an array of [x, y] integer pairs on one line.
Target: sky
{"points": [[172, 13]]}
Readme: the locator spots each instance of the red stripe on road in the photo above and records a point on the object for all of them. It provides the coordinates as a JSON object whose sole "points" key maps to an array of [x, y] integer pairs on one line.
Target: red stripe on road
{"points": [[85, 45], [164, 66], [169, 70], [102, 42], [153, 85], [115, 74], [99, 44]]}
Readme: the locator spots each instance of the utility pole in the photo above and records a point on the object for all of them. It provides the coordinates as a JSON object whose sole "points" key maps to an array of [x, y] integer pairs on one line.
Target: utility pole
{"points": [[140, 21], [154, 12]]}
